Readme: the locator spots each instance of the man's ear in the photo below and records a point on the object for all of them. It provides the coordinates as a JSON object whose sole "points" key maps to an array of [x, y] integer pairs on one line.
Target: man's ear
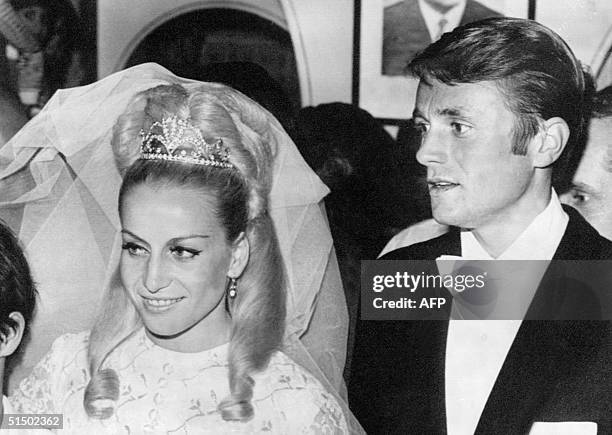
{"points": [[10, 341], [240, 256], [550, 142]]}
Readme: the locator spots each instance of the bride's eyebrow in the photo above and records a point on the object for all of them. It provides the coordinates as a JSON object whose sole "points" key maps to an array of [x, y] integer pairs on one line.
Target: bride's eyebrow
{"points": [[131, 234], [190, 236]]}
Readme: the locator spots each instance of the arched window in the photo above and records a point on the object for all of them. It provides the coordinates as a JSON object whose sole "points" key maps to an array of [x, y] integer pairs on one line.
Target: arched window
{"points": [[189, 43]]}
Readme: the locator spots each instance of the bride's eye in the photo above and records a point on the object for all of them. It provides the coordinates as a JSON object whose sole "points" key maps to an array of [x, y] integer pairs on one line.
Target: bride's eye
{"points": [[134, 249], [184, 253]]}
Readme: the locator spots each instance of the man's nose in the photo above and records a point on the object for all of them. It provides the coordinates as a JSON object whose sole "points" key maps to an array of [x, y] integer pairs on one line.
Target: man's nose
{"points": [[156, 275], [433, 149]]}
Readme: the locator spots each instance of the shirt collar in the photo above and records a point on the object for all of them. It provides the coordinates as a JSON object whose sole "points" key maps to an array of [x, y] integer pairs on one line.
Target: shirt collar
{"points": [[538, 241], [7, 406], [432, 17]]}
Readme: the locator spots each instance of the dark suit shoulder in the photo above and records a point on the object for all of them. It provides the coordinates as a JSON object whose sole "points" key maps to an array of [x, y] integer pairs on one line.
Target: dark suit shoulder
{"points": [[446, 244], [581, 241]]}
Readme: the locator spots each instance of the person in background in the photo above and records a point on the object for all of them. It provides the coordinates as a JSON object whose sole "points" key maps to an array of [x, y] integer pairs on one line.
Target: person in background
{"points": [[358, 160], [253, 81], [24, 46], [54, 29], [411, 25], [17, 303], [591, 190]]}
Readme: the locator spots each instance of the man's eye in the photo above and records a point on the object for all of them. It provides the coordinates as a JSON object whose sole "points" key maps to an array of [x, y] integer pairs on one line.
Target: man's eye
{"points": [[579, 197], [421, 127], [184, 253], [460, 129], [133, 249]]}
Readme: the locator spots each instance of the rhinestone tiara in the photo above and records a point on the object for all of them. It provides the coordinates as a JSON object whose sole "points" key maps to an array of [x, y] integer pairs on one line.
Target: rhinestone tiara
{"points": [[178, 140]]}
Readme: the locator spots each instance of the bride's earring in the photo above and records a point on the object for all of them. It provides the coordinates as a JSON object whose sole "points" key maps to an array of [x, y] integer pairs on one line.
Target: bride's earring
{"points": [[231, 292]]}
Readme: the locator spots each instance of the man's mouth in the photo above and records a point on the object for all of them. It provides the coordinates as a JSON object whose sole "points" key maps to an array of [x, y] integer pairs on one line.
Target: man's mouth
{"points": [[441, 185]]}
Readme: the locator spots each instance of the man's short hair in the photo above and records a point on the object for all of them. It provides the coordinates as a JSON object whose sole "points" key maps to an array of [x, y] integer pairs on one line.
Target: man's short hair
{"points": [[602, 109], [531, 65], [17, 289]]}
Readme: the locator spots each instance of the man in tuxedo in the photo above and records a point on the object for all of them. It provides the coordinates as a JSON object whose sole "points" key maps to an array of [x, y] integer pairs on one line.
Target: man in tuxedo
{"points": [[499, 104], [411, 25], [591, 191]]}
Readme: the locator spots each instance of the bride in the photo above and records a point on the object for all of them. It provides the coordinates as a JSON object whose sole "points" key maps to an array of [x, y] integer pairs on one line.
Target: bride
{"points": [[191, 335]]}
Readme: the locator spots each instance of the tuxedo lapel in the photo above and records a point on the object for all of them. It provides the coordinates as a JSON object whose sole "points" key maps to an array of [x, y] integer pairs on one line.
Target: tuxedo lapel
{"points": [[423, 408], [397, 377], [544, 351], [566, 291], [581, 241], [398, 369]]}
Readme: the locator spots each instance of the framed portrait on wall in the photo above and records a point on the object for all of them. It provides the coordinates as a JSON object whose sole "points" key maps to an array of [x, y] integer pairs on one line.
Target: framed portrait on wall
{"points": [[389, 33]]}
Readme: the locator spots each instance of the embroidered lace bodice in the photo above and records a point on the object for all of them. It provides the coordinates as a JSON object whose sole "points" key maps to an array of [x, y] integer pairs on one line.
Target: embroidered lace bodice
{"points": [[162, 391]]}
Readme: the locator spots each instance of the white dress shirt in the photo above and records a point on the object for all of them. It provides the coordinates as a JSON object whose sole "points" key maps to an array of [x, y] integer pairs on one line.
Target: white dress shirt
{"points": [[6, 410], [476, 349], [432, 18], [6, 406]]}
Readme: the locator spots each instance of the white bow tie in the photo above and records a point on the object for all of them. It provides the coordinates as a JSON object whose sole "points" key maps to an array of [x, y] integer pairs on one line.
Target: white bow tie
{"points": [[446, 263]]}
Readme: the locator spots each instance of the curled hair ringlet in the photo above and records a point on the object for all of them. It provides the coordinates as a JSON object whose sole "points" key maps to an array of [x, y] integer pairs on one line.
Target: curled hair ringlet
{"points": [[258, 311]]}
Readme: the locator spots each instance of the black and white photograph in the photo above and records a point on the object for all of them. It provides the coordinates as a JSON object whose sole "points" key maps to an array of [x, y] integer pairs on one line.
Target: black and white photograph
{"points": [[306, 217]]}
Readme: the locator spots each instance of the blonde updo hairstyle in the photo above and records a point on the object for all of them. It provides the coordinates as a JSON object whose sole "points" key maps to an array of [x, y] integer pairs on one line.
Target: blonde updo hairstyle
{"points": [[258, 310]]}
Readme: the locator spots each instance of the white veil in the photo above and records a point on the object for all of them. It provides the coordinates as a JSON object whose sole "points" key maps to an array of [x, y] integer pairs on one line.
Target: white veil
{"points": [[59, 188]]}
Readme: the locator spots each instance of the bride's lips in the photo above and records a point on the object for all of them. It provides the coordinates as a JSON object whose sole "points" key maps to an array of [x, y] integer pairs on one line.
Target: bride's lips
{"points": [[158, 305]]}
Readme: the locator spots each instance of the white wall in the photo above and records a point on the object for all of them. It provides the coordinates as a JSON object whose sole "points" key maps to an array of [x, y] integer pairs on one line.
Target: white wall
{"points": [[322, 33], [582, 23]]}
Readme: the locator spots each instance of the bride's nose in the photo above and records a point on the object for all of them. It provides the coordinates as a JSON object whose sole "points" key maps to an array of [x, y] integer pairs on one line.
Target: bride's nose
{"points": [[156, 277]]}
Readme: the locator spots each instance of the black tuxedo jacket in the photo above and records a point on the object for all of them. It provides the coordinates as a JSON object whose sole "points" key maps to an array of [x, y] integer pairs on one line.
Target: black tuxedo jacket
{"points": [[405, 32], [554, 371]]}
